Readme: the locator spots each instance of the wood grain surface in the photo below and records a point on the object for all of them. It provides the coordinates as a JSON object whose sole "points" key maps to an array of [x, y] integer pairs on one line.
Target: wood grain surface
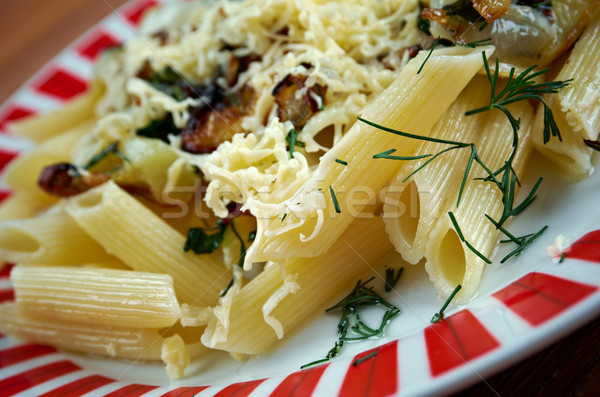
{"points": [[33, 31]]}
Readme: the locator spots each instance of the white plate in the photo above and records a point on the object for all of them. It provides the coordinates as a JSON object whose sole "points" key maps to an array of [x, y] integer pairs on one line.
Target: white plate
{"points": [[523, 305]]}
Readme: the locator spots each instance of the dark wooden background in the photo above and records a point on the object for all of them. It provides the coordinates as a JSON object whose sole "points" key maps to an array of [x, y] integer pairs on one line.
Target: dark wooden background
{"points": [[33, 31]]}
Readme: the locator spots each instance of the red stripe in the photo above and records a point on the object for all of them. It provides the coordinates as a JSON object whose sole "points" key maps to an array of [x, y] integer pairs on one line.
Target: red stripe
{"points": [[134, 14], [5, 272], [7, 295], [537, 297], [4, 194], [131, 391], [14, 113], [17, 354], [25, 380], [62, 84], [79, 387], [185, 391], [241, 389], [96, 44], [456, 340], [587, 248], [6, 156], [301, 383], [375, 376]]}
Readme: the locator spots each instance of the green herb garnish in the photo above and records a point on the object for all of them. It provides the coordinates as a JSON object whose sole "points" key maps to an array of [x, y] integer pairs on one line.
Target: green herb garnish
{"points": [[336, 205], [391, 278], [292, 140], [351, 323], [520, 88], [429, 54], [562, 257], [200, 242], [342, 162], [113, 148], [462, 238], [159, 129], [440, 315], [365, 358]]}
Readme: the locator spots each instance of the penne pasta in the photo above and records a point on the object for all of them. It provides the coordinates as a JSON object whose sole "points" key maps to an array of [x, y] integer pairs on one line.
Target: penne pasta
{"points": [[403, 106], [107, 341], [96, 296], [254, 322], [450, 261], [44, 126], [417, 197], [52, 238], [143, 241]]}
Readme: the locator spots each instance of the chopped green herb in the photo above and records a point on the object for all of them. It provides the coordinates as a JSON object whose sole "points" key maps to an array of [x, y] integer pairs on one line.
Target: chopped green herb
{"points": [[386, 155], [200, 242], [292, 140], [440, 315], [160, 129], [524, 244], [336, 205], [462, 238], [478, 43], [342, 162], [241, 258], [361, 296], [520, 88], [251, 236], [562, 257], [391, 278], [365, 358], [113, 148], [429, 54], [283, 217]]}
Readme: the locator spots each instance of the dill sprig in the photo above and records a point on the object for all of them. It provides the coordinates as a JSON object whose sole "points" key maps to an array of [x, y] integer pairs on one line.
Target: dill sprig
{"points": [[520, 88], [391, 278], [292, 141], [336, 205], [477, 43], [435, 43], [462, 238], [342, 162], [365, 358], [440, 315], [350, 323], [241, 258]]}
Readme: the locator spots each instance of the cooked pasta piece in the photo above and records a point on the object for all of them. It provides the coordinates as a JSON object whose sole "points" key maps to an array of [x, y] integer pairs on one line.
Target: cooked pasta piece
{"points": [[449, 261], [580, 101], [44, 126], [21, 205], [413, 207], [405, 105], [52, 238], [118, 342], [254, 321], [145, 242], [96, 296], [572, 157], [23, 173]]}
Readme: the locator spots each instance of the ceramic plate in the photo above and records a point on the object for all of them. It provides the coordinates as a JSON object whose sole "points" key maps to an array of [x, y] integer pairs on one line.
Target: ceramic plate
{"points": [[524, 304]]}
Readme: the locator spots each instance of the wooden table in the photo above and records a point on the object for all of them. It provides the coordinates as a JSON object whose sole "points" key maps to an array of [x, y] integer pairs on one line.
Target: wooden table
{"points": [[33, 31]]}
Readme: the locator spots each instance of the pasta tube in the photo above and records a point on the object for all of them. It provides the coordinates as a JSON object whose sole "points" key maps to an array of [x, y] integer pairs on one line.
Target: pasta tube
{"points": [[274, 303], [145, 242], [96, 296], [405, 105]]}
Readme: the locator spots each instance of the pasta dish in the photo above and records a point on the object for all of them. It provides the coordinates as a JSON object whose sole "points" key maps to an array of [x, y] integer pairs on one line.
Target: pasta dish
{"points": [[236, 156]]}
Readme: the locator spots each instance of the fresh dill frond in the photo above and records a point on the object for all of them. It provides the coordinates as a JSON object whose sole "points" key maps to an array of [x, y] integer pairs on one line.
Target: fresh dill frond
{"points": [[336, 205], [440, 315], [351, 327], [435, 43], [392, 278], [521, 88], [342, 162], [462, 238]]}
